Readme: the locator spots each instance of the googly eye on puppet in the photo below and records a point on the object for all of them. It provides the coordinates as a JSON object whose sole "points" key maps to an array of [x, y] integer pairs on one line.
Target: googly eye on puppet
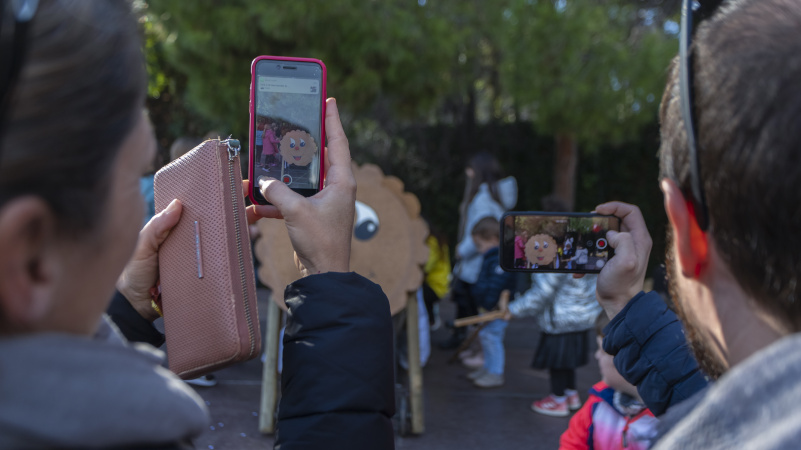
{"points": [[366, 222], [298, 148]]}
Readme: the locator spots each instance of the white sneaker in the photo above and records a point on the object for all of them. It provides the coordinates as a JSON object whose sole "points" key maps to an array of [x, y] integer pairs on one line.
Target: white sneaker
{"points": [[476, 374], [473, 362], [489, 380], [205, 381]]}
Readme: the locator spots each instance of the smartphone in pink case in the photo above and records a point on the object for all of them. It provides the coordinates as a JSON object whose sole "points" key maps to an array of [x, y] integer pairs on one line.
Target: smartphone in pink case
{"points": [[208, 285], [287, 124]]}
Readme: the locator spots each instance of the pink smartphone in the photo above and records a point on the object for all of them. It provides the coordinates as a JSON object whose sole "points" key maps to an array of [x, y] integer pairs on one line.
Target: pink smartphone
{"points": [[287, 124]]}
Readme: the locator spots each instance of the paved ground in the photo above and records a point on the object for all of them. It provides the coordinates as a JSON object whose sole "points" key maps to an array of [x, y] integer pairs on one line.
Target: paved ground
{"points": [[458, 416]]}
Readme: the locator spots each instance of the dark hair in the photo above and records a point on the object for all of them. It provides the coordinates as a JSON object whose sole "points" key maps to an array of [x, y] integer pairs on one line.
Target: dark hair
{"points": [[80, 92], [747, 103], [487, 170], [487, 228]]}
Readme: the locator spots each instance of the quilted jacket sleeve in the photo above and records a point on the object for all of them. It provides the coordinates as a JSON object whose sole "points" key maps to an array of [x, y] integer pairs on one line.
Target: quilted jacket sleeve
{"points": [[651, 352], [133, 326], [338, 387]]}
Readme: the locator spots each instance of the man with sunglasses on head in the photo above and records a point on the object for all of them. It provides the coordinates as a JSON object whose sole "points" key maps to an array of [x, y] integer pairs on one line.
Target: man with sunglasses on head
{"points": [[730, 162]]}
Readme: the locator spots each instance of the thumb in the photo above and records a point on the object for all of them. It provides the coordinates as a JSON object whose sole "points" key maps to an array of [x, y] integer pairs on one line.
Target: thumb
{"points": [[625, 250], [158, 228], [280, 195]]}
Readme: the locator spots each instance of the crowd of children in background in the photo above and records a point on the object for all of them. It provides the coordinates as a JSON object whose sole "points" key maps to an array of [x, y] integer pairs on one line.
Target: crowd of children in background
{"points": [[565, 309]]}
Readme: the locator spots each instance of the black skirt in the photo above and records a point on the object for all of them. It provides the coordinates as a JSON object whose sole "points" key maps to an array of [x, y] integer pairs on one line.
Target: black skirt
{"points": [[561, 351]]}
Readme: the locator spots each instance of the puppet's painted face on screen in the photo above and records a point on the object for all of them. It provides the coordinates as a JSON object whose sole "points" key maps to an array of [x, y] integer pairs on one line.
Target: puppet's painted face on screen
{"points": [[298, 148], [541, 249]]}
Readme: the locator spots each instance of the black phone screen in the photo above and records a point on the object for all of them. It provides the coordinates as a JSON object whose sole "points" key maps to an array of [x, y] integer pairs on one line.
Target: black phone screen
{"points": [[286, 121], [556, 242]]}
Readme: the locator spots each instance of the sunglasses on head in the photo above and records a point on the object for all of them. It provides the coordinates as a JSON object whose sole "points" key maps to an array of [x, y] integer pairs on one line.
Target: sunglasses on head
{"points": [[692, 14]]}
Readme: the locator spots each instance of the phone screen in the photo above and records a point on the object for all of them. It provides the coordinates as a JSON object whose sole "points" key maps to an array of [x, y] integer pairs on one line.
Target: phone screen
{"points": [[287, 124], [556, 242]]}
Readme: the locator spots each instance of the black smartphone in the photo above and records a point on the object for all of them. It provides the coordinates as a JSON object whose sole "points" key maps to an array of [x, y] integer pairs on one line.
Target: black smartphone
{"points": [[287, 124], [556, 242]]}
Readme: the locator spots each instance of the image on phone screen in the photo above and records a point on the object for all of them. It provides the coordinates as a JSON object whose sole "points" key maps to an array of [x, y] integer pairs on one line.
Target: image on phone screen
{"points": [[556, 242], [287, 116]]}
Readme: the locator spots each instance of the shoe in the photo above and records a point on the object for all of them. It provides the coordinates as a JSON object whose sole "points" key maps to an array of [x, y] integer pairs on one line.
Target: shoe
{"points": [[550, 407], [476, 374], [205, 381], [489, 380], [573, 401], [464, 354], [474, 362]]}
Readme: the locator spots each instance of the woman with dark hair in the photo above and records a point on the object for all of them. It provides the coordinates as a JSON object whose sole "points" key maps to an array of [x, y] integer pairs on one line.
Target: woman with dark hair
{"points": [[486, 194], [73, 143]]}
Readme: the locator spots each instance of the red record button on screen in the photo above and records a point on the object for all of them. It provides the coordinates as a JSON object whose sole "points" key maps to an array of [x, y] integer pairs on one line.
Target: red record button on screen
{"points": [[601, 244], [287, 179]]}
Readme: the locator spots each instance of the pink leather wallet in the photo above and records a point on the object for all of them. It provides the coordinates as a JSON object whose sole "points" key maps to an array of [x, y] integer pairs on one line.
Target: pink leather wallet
{"points": [[208, 285]]}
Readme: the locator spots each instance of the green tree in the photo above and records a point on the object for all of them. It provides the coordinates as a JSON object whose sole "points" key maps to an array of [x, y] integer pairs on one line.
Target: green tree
{"points": [[385, 58], [586, 72]]}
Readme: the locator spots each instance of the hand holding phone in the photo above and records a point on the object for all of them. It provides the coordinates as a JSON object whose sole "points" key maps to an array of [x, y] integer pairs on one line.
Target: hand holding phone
{"points": [[320, 227], [623, 277], [287, 132], [556, 242]]}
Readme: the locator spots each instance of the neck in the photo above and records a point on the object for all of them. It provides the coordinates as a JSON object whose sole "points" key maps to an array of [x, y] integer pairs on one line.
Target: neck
{"points": [[745, 327]]}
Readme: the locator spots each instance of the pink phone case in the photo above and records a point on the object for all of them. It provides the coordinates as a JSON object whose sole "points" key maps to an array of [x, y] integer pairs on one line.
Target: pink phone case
{"points": [[252, 137]]}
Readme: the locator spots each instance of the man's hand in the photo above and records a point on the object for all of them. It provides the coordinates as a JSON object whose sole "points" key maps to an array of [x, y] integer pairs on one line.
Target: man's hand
{"points": [[623, 276], [320, 227], [142, 271]]}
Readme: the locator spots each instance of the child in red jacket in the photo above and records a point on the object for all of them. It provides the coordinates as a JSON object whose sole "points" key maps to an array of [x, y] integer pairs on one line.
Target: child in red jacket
{"points": [[614, 416]]}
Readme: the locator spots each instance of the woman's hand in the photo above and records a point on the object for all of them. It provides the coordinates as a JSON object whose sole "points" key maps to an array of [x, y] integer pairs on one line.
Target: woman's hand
{"points": [[142, 272], [320, 227]]}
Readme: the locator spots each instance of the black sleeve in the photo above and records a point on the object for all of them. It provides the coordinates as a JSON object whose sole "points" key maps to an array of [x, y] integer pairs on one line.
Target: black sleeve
{"points": [[651, 352], [337, 385], [134, 327]]}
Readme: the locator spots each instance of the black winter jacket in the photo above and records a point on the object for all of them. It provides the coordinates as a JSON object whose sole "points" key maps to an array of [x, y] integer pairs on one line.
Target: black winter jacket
{"points": [[337, 384]]}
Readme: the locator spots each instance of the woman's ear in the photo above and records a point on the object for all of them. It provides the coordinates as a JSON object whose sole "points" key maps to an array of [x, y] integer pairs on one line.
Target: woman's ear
{"points": [[692, 244], [26, 262]]}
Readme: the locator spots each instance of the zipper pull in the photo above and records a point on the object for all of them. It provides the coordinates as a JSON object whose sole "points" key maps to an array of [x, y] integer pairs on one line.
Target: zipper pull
{"points": [[233, 148]]}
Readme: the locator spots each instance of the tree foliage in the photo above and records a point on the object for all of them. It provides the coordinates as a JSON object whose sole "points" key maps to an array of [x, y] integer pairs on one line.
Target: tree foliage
{"points": [[584, 68], [423, 85]]}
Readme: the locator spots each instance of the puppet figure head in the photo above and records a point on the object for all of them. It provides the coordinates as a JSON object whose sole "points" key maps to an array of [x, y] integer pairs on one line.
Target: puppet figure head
{"points": [[541, 249], [298, 148]]}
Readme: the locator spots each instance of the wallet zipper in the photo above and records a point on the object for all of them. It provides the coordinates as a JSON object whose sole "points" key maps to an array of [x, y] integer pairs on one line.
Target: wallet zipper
{"points": [[233, 153]]}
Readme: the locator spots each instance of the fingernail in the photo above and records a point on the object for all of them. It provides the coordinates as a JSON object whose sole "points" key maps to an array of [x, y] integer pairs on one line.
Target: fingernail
{"points": [[171, 207]]}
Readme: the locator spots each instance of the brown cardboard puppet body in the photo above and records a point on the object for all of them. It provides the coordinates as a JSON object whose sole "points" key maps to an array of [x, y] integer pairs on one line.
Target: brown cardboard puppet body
{"points": [[388, 244]]}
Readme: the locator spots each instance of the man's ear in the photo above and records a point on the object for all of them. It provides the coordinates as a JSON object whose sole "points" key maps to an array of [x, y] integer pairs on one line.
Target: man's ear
{"points": [[26, 265], [692, 245]]}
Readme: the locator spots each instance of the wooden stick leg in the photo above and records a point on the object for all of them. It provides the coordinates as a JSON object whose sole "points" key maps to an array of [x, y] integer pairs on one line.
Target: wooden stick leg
{"points": [[466, 343], [415, 370], [269, 382]]}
